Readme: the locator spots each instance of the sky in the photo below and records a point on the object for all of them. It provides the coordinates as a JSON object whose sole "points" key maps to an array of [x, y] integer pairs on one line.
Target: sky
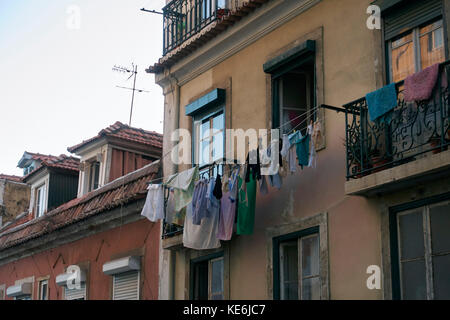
{"points": [[57, 87]]}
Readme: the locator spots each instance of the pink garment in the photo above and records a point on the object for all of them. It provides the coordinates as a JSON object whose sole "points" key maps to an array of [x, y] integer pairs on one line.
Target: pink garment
{"points": [[227, 216], [420, 85]]}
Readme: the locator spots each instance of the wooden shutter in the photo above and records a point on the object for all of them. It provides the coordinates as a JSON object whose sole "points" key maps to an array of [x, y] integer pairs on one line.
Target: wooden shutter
{"points": [[126, 286], [75, 294], [410, 15]]}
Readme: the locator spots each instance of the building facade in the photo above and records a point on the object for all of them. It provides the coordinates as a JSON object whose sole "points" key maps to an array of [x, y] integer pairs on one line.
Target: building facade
{"points": [[100, 235], [377, 204]]}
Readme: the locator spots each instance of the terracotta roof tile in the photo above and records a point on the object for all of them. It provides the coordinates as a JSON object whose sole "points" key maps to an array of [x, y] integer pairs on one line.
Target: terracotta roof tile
{"points": [[61, 162], [10, 177], [124, 132], [121, 191]]}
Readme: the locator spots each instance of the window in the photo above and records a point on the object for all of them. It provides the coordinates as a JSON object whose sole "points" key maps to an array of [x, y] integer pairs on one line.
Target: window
{"points": [[416, 50], [94, 176], [207, 281], [43, 290], [126, 285], [40, 201], [293, 87], [296, 98], [296, 266], [209, 139], [422, 249]]}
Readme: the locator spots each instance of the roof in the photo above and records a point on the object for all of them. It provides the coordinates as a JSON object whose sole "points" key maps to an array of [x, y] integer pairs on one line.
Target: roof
{"points": [[27, 156], [62, 161], [205, 35], [10, 177], [124, 190], [124, 132]]}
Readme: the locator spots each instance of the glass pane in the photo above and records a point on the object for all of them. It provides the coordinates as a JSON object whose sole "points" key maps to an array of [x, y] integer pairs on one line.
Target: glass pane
{"points": [[204, 152], [441, 273], [440, 228], [411, 235], [413, 280], [217, 276], [289, 270], [218, 123], [311, 289], [402, 58], [218, 146], [204, 130], [310, 256], [432, 45]]}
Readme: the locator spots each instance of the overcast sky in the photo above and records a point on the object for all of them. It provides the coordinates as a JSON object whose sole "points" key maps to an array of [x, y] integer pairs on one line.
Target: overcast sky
{"points": [[57, 86]]}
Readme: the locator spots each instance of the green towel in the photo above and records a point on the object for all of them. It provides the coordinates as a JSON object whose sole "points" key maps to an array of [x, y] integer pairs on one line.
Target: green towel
{"points": [[246, 207]]}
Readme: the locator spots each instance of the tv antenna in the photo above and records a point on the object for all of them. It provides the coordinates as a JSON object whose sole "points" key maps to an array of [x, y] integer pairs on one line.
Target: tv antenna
{"points": [[133, 73]]}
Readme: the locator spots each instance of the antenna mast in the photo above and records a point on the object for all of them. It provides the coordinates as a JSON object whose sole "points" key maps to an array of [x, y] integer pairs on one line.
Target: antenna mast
{"points": [[133, 72]]}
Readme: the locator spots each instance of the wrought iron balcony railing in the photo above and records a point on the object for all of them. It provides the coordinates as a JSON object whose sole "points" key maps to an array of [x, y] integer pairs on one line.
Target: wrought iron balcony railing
{"points": [[184, 18], [410, 131]]}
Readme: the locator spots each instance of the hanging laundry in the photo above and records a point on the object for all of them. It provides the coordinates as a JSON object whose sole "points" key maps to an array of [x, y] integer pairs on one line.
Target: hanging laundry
{"points": [[276, 181], [199, 209], [312, 162], [183, 184], [270, 162], [218, 188], [381, 102], [173, 216], [212, 203], [203, 236], [420, 85], [263, 189], [253, 165], [246, 206], [233, 183], [227, 217], [317, 135], [302, 147], [154, 204], [228, 207]]}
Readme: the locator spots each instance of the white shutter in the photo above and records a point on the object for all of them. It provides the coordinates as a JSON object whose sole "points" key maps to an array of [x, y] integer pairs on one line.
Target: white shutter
{"points": [[126, 286], [75, 294]]}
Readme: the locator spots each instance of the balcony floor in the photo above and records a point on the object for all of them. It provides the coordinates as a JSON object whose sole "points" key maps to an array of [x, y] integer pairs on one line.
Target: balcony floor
{"points": [[433, 166]]}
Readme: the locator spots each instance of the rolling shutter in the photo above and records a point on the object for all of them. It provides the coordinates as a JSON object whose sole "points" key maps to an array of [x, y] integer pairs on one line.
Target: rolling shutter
{"points": [[75, 294], [126, 286], [410, 15]]}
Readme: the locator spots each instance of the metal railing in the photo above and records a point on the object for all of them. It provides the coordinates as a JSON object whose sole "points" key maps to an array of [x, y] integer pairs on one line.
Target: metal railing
{"points": [[182, 19], [411, 131]]}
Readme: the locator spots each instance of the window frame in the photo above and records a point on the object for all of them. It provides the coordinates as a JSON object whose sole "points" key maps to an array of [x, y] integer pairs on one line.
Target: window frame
{"points": [[93, 167], [415, 34], [208, 258], [278, 75], [201, 118], [276, 245], [394, 236], [40, 283], [40, 200]]}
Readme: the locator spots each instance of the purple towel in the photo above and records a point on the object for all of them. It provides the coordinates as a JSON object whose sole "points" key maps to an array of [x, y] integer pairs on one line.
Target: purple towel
{"points": [[420, 85]]}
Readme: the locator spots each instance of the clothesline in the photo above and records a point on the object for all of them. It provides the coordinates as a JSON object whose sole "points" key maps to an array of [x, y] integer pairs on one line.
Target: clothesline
{"points": [[314, 109], [284, 124]]}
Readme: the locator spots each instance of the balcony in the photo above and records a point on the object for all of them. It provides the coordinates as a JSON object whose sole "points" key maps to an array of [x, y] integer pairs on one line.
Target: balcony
{"points": [[172, 234], [185, 18], [410, 146]]}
